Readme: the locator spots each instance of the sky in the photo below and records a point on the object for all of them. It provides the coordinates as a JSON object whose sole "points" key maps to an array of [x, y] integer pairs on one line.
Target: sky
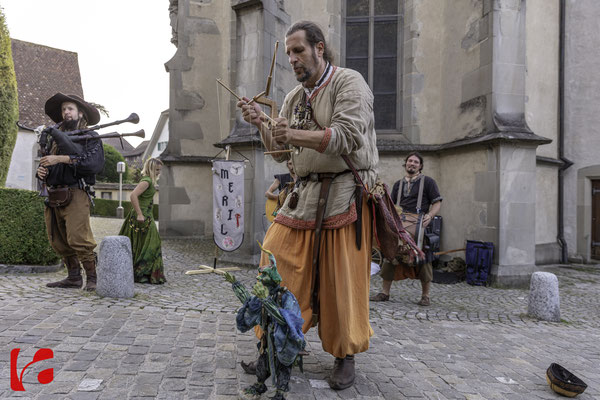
{"points": [[122, 46]]}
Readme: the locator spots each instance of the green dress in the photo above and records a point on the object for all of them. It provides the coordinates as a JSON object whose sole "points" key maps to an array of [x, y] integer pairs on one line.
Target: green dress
{"points": [[145, 241]]}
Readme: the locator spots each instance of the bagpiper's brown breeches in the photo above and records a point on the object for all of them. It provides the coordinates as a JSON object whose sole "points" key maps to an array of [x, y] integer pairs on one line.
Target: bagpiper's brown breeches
{"points": [[69, 230]]}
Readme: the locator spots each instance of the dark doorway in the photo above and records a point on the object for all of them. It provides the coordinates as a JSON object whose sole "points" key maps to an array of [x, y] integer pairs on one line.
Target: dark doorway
{"points": [[596, 219]]}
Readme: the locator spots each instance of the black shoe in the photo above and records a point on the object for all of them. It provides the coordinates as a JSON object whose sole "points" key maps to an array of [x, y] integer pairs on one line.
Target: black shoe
{"points": [[342, 376]]}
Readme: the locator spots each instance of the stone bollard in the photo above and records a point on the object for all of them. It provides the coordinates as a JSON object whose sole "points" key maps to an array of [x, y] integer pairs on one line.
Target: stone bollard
{"points": [[544, 300], [115, 268]]}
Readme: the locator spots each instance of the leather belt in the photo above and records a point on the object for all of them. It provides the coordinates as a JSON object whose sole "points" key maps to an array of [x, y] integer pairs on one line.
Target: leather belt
{"points": [[319, 176], [74, 185], [326, 179], [358, 193], [321, 206]]}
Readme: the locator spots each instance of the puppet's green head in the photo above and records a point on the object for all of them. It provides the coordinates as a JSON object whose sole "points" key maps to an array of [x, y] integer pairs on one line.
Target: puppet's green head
{"points": [[269, 276]]}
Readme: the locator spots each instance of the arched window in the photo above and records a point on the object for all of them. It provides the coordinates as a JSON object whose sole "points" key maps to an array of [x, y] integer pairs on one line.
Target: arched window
{"points": [[373, 46]]}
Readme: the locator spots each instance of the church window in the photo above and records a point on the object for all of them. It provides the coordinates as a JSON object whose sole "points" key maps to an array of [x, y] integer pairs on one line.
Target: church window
{"points": [[373, 47]]}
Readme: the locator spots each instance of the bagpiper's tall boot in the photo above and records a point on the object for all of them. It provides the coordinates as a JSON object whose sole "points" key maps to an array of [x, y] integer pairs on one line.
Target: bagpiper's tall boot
{"points": [[90, 272], [73, 280]]}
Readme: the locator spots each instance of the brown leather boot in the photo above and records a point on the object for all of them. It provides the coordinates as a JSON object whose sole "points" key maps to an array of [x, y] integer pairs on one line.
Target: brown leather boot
{"points": [[342, 376], [90, 273], [73, 280]]}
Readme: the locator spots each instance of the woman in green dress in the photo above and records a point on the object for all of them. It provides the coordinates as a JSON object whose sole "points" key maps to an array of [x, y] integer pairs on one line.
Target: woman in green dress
{"points": [[140, 228]]}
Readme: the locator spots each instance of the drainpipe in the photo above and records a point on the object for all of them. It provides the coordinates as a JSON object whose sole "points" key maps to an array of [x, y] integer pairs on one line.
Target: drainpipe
{"points": [[566, 163]]}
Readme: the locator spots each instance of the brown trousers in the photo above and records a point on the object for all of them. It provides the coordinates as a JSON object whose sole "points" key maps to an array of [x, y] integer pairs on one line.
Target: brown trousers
{"points": [[69, 230]]}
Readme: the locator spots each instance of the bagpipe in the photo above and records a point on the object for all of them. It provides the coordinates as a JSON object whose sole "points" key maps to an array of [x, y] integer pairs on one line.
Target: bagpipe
{"points": [[72, 142]]}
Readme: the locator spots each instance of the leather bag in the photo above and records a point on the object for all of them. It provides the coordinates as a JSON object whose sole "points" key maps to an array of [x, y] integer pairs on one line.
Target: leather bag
{"points": [[391, 238], [60, 196]]}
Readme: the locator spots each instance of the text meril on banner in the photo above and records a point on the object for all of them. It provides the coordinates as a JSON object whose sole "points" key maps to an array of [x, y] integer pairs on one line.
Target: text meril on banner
{"points": [[228, 204]]}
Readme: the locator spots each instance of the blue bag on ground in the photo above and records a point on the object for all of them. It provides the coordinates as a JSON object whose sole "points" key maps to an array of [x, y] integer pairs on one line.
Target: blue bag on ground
{"points": [[479, 257]]}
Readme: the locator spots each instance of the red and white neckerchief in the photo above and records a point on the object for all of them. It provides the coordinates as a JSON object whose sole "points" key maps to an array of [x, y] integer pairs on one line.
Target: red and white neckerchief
{"points": [[322, 80]]}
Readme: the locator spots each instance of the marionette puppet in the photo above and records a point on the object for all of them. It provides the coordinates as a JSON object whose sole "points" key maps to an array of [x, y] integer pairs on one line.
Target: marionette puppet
{"points": [[276, 310]]}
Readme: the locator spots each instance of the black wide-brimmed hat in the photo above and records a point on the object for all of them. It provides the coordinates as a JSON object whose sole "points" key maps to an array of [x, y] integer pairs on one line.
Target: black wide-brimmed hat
{"points": [[564, 382], [53, 107]]}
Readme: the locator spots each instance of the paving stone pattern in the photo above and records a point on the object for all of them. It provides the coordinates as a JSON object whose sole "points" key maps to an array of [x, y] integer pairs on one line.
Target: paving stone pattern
{"points": [[178, 340]]}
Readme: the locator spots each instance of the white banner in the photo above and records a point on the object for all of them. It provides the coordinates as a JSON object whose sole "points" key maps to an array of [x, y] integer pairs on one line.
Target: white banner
{"points": [[228, 204]]}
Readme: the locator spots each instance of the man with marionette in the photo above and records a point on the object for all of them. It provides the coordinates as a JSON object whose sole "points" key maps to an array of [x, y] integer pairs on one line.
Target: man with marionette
{"points": [[321, 236], [69, 168]]}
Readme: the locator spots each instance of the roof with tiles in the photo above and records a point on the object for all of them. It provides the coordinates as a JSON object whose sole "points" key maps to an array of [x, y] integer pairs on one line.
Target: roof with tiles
{"points": [[140, 148], [42, 72], [116, 143]]}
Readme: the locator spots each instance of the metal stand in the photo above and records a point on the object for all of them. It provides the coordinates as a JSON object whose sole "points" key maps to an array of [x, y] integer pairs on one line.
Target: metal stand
{"points": [[120, 170], [205, 269]]}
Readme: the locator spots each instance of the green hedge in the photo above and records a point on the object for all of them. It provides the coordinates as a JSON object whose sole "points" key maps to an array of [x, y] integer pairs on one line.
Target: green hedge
{"points": [[108, 208], [23, 238], [9, 107]]}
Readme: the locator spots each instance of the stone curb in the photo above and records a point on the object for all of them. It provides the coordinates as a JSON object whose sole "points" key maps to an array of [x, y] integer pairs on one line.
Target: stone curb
{"points": [[29, 269]]}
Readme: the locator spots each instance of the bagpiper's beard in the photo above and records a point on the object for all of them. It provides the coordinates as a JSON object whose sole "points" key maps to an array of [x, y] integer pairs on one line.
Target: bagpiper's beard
{"points": [[70, 125]]}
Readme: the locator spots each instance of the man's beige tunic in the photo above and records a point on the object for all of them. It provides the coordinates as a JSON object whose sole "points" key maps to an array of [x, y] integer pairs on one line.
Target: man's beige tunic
{"points": [[342, 106]]}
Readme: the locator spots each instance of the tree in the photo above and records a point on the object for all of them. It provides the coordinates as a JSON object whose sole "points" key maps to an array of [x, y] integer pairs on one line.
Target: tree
{"points": [[111, 158], [134, 175], [9, 105]]}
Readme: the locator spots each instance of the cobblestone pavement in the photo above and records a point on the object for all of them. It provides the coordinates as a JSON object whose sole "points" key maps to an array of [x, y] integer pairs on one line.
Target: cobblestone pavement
{"points": [[178, 340]]}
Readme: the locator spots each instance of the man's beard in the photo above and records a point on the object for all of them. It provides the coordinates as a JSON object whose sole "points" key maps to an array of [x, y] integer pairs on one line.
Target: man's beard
{"points": [[70, 125], [412, 170], [308, 72], [304, 77]]}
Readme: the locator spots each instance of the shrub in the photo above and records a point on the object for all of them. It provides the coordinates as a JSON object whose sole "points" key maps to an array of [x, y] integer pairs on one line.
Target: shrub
{"points": [[9, 106], [111, 158], [108, 208], [134, 175], [23, 238]]}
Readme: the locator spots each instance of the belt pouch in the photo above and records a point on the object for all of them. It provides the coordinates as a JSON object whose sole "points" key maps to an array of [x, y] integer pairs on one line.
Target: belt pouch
{"points": [[59, 197]]}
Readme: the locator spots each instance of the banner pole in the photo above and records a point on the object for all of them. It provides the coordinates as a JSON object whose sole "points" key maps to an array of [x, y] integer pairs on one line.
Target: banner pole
{"points": [[215, 259]]}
